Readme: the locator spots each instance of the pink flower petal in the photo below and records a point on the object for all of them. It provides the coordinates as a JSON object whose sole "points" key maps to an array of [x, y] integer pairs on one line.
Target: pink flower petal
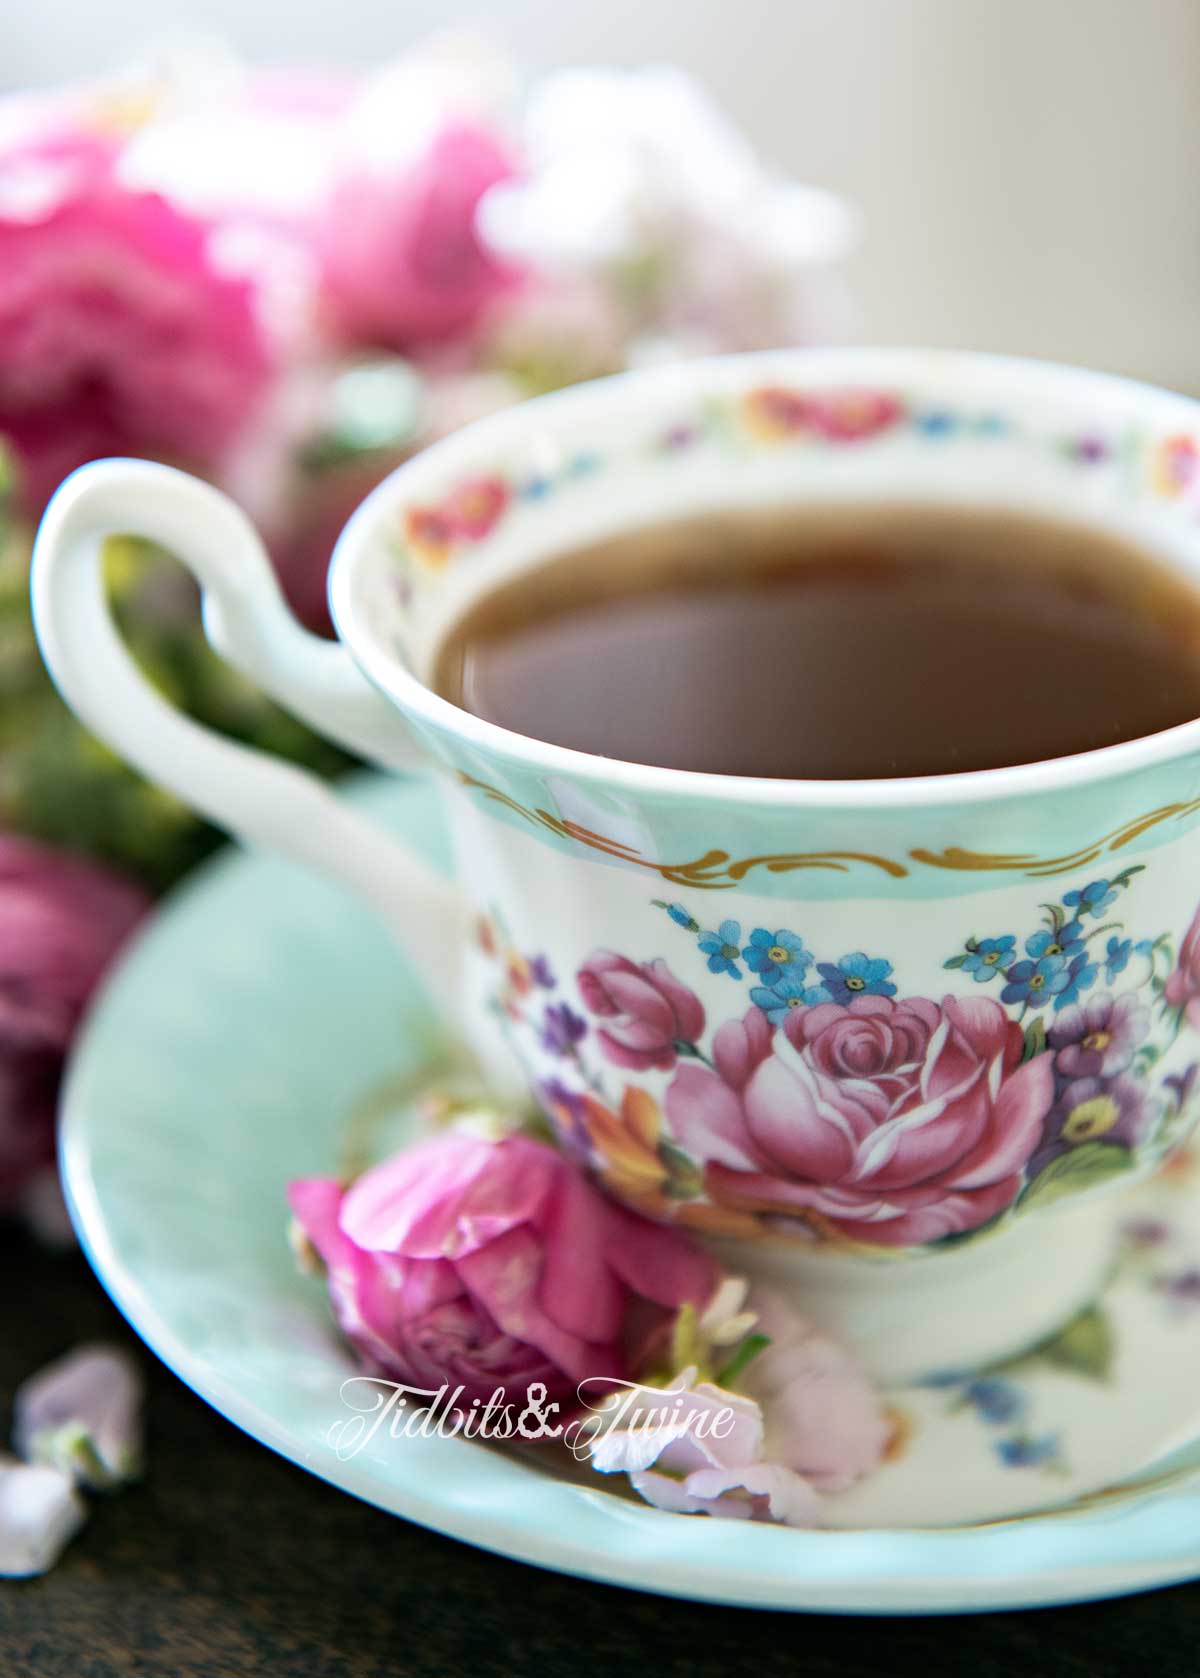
{"points": [[439, 1201], [798, 1121], [1020, 1110], [83, 1415], [759, 1492], [706, 1119]]}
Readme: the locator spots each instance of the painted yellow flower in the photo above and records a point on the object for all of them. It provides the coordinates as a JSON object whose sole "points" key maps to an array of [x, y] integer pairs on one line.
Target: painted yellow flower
{"points": [[772, 412], [636, 1168], [429, 535], [1174, 464], [627, 1144], [518, 973]]}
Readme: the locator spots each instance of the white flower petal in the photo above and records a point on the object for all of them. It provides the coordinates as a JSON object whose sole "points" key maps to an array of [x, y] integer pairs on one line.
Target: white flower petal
{"points": [[40, 1512]]}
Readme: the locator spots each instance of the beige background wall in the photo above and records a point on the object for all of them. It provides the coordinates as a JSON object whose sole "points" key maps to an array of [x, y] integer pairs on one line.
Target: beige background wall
{"points": [[1029, 169]]}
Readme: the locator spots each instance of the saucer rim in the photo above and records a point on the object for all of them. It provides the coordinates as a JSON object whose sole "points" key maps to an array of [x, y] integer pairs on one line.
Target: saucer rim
{"points": [[1037, 1560]]}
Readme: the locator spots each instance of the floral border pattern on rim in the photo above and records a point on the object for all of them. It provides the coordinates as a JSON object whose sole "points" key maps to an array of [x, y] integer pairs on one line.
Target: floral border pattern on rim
{"points": [[431, 534]]}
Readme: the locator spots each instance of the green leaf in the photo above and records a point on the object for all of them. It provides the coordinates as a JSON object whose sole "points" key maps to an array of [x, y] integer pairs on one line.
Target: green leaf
{"points": [[685, 1181], [955, 961], [1035, 1038], [750, 1347], [1085, 1167], [1085, 1346]]}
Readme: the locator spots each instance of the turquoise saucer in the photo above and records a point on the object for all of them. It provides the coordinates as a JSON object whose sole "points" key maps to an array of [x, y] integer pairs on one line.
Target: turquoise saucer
{"points": [[230, 1050]]}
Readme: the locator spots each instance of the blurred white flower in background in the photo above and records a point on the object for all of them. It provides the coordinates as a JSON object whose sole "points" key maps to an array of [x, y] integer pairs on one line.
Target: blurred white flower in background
{"points": [[636, 180]]}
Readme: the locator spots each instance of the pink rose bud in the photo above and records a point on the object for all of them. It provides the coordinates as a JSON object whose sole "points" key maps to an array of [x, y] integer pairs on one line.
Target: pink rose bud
{"points": [[471, 1265], [648, 1013]]}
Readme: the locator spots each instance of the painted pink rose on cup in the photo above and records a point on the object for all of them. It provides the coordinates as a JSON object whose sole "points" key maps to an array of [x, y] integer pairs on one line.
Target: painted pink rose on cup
{"points": [[648, 1014], [473, 1264], [897, 1122], [1183, 986], [118, 332]]}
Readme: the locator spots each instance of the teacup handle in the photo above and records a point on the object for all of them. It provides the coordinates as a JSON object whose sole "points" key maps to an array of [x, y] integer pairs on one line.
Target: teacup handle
{"points": [[260, 799]]}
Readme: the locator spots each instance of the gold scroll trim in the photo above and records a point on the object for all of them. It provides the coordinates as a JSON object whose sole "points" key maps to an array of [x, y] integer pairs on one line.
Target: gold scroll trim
{"points": [[716, 870]]}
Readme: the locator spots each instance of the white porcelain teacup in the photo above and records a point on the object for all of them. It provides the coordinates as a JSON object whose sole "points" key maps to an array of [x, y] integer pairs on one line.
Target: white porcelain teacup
{"points": [[925, 1149]]}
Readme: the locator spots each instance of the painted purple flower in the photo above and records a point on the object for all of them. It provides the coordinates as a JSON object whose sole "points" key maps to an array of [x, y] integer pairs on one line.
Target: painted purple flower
{"points": [[567, 1111], [542, 973], [1112, 1110], [1097, 1039], [1091, 450], [562, 1028], [1182, 1290], [1181, 1084], [1146, 1232]]}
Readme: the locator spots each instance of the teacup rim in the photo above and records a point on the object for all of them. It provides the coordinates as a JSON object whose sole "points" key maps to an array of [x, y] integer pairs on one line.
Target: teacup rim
{"points": [[462, 449]]}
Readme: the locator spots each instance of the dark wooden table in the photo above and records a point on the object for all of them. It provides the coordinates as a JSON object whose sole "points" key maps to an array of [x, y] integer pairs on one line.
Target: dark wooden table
{"points": [[228, 1561]]}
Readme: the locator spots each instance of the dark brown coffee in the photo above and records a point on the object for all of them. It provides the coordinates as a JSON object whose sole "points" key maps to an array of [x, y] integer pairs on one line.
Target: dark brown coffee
{"points": [[836, 642]]}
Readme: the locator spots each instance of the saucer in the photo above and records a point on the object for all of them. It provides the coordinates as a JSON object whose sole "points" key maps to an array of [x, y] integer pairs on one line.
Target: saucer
{"points": [[245, 1036]]}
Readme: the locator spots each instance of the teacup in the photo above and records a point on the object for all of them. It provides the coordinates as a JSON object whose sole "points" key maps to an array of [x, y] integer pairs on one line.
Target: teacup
{"points": [[929, 1156]]}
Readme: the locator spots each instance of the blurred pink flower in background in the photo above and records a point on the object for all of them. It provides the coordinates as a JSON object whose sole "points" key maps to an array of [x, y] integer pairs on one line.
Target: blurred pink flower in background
{"points": [[289, 280], [484, 1265], [118, 333], [402, 265], [401, 262], [61, 922]]}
